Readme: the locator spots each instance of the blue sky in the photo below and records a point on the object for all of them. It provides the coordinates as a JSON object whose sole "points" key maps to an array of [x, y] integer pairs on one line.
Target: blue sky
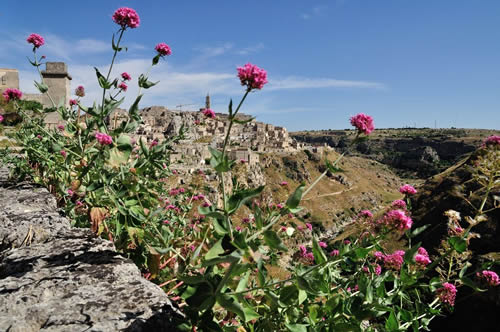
{"points": [[404, 62]]}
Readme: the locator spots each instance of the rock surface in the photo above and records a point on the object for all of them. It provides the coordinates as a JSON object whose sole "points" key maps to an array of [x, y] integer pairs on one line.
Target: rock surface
{"points": [[55, 278]]}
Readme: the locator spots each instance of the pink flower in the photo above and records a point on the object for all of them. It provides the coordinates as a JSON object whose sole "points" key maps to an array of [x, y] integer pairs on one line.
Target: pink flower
{"points": [[398, 219], [126, 17], [334, 252], [163, 49], [407, 190], [378, 255], [153, 143], [447, 293], [80, 91], [252, 76], [399, 204], [394, 261], [283, 228], [245, 220], [63, 153], [243, 161], [378, 269], [300, 228], [126, 76], [39, 137], [79, 203], [206, 204], [1, 118], [36, 40], [60, 127], [346, 242], [12, 94], [363, 122], [366, 214], [166, 222], [422, 259], [489, 277], [322, 244], [123, 86], [103, 139], [70, 192], [492, 140], [309, 226], [283, 183], [280, 206], [197, 122], [207, 112], [73, 102]]}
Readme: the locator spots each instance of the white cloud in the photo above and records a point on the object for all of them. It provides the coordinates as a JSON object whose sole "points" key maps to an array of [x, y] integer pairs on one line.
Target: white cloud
{"points": [[91, 46], [294, 82], [214, 50], [251, 49]]}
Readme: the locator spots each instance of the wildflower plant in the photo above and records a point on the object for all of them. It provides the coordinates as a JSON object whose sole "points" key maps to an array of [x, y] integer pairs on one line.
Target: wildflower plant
{"points": [[217, 268]]}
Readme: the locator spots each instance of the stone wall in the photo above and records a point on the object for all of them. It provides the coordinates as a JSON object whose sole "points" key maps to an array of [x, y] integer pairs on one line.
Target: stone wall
{"points": [[57, 278]]}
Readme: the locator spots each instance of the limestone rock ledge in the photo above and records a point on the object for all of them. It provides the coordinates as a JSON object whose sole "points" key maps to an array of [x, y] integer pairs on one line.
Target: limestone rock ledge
{"points": [[57, 278]]}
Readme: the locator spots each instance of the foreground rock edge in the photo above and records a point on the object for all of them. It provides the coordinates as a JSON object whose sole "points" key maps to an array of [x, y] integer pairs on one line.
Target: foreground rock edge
{"points": [[57, 278]]}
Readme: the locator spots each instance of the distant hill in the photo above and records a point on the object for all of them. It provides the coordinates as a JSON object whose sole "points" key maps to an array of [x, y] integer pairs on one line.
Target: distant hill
{"points": [[411, 152]]}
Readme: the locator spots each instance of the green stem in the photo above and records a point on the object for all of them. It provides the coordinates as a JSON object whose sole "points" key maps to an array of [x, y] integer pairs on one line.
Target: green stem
{"points": [[41, 78]]}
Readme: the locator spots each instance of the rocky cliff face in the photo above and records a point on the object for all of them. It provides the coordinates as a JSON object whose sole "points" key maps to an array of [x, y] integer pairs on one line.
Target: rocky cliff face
{"points": [[449, 190], [56, 278], [418, 152]]}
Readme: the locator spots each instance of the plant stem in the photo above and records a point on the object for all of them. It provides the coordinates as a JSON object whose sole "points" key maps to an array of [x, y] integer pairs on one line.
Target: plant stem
{"points": [[41, 78]]}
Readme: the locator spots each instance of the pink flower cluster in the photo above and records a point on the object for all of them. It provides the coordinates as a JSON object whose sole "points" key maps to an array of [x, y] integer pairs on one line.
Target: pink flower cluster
{"points": [[177, 191], [173, 207], [407, 190], [422, 257], [103, 139], [492, 140], [447, 293], [73, 102], [207, 112], [1, 118], [163, 49], [376, 268], [80, 91], [36, 40], [306, 255], [122, 86], [283, 183], [12, 94], [398, 219], [126, 76], [489, 277], [399, 204], [252, 76], [126, 17], [394, 261], [365, 214], [363, 122], [334, 252]]}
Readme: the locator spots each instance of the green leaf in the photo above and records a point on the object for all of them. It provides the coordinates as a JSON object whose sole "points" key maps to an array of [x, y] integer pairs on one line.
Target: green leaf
{"points": [[464, 269], [42, 87], [319, 254], [302, 296], [418, 230], [124, 143], [144, 83], [361, 253], [114, 46], [133, 111], [459, 244], [243, 283], [289, 294], [231, 258], [215, 251], [231, 303], [230, 107], [333, 169], [294, 200], [409, 257], [156, 59], [240, 197], [391, 323], [240, 240], [297, 327], [250, 314], [117, 158], [103, 83], [273, 240], [191, 280]]}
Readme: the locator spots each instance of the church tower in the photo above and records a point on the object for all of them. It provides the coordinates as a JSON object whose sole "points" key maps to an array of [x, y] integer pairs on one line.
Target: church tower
{"points": [[207, 102]]}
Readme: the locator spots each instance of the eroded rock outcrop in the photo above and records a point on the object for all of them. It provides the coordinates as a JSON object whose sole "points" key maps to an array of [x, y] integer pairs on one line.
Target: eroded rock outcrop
{"points": [[57, 278]]}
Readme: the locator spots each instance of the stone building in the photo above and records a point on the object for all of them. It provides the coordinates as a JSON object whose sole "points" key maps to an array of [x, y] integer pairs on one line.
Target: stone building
{"points": [[9, 78]]}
